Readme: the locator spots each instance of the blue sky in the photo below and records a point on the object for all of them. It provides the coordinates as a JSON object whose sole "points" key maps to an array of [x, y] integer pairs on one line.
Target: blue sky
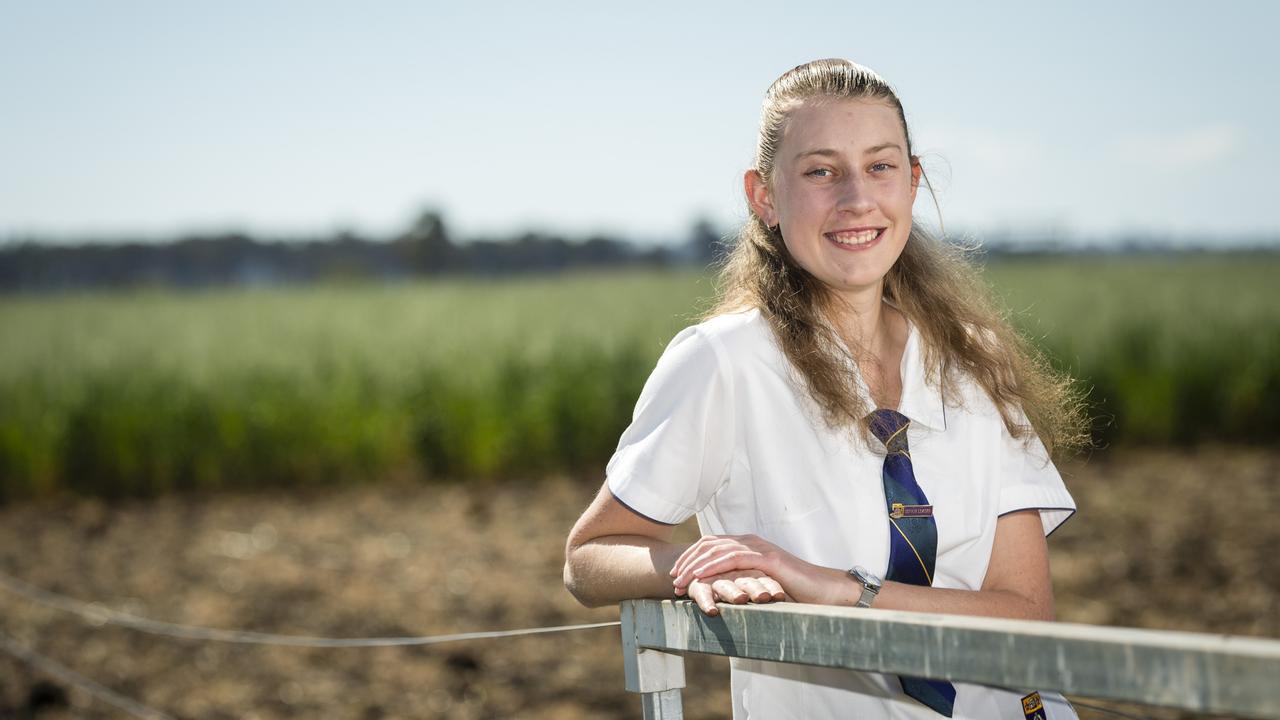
{"points": [[288, 118]]}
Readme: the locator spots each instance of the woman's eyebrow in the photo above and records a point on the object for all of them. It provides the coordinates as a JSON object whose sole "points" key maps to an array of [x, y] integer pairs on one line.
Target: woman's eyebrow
{"points": [[882, 146], [828, 152]]}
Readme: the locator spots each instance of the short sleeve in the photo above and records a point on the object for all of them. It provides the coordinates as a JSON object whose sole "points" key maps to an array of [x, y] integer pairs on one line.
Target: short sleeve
{"points": [[1029, 480], [676, 453]]}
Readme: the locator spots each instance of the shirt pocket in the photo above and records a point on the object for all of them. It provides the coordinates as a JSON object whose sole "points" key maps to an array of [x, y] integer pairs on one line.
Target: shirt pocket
{"points": [[781, 501], [799, 519]]}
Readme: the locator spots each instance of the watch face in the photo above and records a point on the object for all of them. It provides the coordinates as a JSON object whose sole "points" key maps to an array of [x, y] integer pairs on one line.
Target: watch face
{"points": [[867, 578]]}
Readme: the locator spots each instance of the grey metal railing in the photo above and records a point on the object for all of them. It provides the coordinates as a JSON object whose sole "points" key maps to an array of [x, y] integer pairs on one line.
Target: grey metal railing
{"points": [[1192, 671]]}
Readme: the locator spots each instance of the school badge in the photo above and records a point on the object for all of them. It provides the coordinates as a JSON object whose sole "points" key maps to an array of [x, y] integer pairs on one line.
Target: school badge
{"points": [[1033, 707]]}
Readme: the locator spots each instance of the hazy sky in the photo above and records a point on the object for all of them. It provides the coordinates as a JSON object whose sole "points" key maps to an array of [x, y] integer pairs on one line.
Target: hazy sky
{"points": [[303, 117]]}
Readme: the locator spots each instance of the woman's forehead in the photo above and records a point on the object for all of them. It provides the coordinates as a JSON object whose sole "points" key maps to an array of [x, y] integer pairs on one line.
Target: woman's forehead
{"points": [[844, 125]]}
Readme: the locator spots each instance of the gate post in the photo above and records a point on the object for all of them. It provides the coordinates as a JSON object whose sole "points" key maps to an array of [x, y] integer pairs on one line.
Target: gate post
{"points": [[658, 676]]}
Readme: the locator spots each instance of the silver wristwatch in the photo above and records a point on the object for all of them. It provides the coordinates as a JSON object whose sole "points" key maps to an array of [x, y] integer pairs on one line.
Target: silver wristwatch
{"points": [[870, 585]]}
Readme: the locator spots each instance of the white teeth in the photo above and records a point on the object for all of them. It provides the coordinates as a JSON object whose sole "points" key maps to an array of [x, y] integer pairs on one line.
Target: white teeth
{"points": [[858, 238]]}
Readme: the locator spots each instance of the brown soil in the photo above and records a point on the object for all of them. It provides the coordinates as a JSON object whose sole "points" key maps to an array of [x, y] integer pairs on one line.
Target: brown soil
{"points": [[1163, 539]]}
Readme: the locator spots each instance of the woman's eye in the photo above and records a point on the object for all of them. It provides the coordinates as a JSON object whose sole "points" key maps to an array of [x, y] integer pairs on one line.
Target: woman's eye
{"points": [[881, 167], [819, 172]]}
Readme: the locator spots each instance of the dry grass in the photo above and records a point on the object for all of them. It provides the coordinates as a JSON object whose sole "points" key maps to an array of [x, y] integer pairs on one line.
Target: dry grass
{"points": [[1163, 540]]}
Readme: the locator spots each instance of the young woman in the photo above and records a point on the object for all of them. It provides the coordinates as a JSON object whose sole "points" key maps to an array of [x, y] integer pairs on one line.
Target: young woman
{"points": [[854, 424]]}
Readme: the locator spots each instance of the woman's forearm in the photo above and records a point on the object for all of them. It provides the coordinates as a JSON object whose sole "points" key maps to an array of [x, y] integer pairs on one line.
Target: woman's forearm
{"points": [[990, 603], [836, 587], [610, 569]]}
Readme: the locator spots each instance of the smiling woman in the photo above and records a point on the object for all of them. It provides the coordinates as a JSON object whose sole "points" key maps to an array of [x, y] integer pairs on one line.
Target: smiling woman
{"points": [[853, 424], [843, 201]]}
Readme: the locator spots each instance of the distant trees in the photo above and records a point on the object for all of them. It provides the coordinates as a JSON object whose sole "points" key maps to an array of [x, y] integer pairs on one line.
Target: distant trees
{"points": [[705, 243], [426, 248]]}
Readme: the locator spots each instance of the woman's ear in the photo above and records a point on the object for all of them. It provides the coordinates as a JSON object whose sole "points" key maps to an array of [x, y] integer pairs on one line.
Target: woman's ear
{"points": [[759, 197], [916, 171]]}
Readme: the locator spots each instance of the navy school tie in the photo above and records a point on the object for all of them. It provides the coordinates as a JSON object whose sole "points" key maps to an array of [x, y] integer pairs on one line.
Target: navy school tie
{"points": [[913, 537]]}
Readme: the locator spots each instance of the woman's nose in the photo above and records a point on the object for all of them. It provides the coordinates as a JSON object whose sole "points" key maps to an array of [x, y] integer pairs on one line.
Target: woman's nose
{"points": [[854, 196]]}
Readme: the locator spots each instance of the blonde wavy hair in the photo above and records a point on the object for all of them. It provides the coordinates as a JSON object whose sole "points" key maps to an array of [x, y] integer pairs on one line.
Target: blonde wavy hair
{"points": [[932, 283]]}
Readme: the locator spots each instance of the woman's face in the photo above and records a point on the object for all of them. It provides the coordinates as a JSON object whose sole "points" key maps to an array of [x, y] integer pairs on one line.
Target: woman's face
{"points": [[841, 192]]}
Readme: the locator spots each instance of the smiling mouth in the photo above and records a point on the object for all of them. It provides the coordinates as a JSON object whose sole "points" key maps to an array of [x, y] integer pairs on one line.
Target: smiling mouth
{"points": [[854, 238]]}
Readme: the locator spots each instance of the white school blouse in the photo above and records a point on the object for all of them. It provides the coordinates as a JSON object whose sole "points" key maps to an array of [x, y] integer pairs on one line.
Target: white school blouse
{"points": [[723, 429]]}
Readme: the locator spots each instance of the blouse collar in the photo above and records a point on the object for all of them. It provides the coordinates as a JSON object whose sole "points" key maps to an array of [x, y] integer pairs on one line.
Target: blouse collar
{"points": [[921, 401]]}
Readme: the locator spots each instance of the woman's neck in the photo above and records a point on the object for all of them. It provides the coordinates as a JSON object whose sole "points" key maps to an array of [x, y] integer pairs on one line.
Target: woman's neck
{"points": [[862, 321], [876, 334]]}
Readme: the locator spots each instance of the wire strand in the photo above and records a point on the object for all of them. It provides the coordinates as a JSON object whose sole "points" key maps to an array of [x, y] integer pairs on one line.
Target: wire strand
{"points": [[75, 679], [97, 614]]}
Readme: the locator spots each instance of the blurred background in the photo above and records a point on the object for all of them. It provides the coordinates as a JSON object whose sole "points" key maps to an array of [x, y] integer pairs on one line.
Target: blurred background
{"points": [[324, 320]]}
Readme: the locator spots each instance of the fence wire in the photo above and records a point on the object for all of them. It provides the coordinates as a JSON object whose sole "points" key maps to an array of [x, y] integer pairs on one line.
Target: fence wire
{"points": [[98, 614], [76, 680]]}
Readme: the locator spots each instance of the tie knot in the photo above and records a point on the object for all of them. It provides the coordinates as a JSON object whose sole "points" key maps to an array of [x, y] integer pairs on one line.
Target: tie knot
{"points": [[891, 427]]}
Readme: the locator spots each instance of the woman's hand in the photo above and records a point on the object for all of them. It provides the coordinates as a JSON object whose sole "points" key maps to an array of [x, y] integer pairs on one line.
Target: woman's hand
{"points": [[715, 555], [736, 586]]}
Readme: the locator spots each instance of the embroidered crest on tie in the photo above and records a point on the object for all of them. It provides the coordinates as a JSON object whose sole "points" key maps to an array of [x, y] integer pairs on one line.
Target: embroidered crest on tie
{"points": [[913, 537]]}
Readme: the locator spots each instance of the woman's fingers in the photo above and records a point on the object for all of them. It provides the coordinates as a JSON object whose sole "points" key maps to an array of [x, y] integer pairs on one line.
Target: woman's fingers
{"points": [[698, 546], [773, 587], [733, 587], [721, 560], [680, 561], [729, 591], [702, 548], [710, 544], [713, 555], [702, 595], [754, 589], [741, 559], [682, 570]]}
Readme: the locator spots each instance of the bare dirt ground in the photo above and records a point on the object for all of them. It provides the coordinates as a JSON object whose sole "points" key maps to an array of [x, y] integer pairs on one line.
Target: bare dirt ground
{"points": [[1163, 539]]}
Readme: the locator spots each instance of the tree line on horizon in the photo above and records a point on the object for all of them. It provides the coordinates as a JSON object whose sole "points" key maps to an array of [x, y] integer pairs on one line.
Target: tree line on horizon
{"points": [[425, 249]]}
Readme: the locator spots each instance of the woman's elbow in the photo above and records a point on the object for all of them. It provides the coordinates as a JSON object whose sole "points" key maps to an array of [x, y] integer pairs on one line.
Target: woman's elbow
{"points": [[574, 587], [575, 580]]}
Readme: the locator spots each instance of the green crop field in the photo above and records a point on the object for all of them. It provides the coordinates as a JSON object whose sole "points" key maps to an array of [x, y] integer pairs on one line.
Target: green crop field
{"points": [[145, 392]]}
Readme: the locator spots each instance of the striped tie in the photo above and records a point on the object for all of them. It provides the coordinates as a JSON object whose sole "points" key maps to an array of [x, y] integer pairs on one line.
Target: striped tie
{"points": [[913, 537]]}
